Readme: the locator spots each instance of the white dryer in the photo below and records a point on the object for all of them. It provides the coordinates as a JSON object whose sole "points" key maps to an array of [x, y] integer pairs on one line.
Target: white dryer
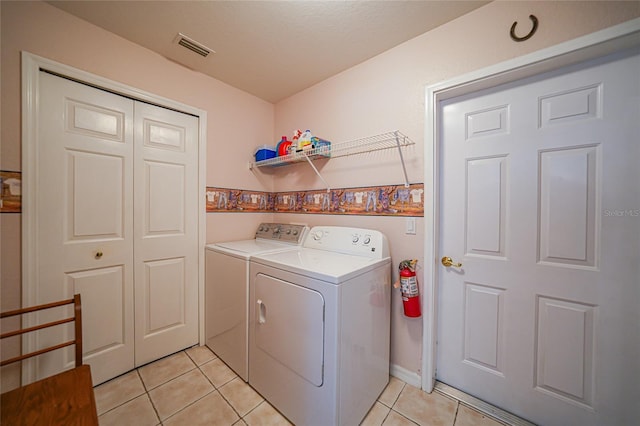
{"points": [[227, 289], [319, 327]]}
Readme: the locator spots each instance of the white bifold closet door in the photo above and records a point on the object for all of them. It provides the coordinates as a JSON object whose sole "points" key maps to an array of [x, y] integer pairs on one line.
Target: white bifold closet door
{"points": [[116, 222]]}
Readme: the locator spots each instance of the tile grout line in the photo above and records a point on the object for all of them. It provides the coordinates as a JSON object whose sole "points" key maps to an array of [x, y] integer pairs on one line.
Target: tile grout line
{"points": [[395, 400], [188, 405], [216, 388], [396, 411], [455, 417], [229, 402], [168, 381], [146, 392], [196, 366]]}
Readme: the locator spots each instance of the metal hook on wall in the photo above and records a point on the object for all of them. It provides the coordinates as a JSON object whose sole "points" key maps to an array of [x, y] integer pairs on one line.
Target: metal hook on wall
{"points": [[514, 37]]}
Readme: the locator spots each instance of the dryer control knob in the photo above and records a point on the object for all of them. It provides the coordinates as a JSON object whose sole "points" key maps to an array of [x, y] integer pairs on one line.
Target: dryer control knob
{"points": [[367, 239], [355, 238], [317, 235]]}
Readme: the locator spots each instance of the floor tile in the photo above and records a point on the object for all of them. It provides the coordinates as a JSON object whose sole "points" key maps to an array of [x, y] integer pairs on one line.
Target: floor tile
{"points": [[200, 354], [218, 372], [241, 396], [138, 411], [391, 392], [426, 408], [117, 391], [265, 415], [175, 395], [212, 410], [159, 372], [376, 415], [395, 419], [194, 387], [467, 416]]}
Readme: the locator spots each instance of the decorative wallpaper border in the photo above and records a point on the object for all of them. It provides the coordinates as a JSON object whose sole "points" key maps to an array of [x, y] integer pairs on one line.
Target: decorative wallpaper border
{"points": [[238, 200], [388, 200], [10, 192]]}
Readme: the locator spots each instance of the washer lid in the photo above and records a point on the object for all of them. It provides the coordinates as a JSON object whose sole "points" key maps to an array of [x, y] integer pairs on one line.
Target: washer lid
{"points": [[331, 267], [246, 248]]}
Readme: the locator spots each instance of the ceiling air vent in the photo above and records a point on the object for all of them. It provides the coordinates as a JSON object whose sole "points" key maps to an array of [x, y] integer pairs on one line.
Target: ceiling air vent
{"points": [[193, 45]]}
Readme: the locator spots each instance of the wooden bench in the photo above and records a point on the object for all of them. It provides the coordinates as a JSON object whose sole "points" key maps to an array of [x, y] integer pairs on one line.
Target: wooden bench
{"points": [[66, 398]]}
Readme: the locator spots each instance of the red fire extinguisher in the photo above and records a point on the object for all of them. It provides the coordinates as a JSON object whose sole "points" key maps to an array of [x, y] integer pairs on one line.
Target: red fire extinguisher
{"points": [[409, 288]]}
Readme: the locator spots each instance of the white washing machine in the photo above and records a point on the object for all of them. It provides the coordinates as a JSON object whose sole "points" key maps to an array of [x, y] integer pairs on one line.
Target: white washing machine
{"points": [[227, 289], [319, 326]]}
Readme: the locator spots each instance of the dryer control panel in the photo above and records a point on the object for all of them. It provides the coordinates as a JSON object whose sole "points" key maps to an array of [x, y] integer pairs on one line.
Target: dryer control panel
{"points": [[285, 232], [356, 241]]}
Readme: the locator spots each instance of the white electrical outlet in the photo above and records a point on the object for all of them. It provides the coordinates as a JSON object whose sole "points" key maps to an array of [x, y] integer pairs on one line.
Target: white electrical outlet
{"points": [[410, 226]]}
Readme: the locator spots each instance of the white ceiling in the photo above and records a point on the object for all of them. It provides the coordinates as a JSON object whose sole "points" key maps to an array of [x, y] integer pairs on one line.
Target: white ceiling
{"points": [[271, 49]]}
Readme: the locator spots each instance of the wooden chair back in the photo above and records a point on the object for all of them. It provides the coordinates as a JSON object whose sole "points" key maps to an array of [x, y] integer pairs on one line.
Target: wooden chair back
{"points": [[76, 319]]}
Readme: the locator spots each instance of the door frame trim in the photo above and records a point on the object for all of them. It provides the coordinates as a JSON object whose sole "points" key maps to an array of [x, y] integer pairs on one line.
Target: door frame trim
{"points": [[31, 66], [597, 44]]}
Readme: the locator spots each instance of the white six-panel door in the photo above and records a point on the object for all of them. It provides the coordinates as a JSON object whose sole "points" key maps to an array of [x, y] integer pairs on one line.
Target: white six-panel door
{"points": [[85, 226], [166, 231], [540, 202], [117, 223]]}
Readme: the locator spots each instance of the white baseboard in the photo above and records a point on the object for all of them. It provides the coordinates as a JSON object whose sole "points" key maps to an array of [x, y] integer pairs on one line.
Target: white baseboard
{"points": [[412, 378]]}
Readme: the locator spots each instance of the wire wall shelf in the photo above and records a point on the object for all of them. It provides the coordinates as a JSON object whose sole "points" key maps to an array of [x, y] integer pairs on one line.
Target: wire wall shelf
{"points": [[390, 140]]}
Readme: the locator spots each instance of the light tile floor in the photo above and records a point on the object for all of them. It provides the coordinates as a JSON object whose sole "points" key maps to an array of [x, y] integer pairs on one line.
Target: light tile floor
{"points": [[194, 387]]}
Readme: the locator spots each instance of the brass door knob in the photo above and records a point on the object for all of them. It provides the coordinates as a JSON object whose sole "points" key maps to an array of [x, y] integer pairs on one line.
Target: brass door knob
{"points": [[99, 254], [447, 261]]}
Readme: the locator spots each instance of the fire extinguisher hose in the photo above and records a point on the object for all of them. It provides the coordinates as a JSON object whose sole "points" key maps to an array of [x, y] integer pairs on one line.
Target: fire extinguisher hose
{"points": [[408, 264]]}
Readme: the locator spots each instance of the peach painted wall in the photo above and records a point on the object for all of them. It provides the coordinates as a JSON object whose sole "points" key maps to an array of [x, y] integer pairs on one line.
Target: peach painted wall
{"points": [[44, 30], [387, 92]]}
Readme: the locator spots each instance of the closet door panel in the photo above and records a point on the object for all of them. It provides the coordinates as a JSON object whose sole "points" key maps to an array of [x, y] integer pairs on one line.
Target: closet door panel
{"points": [[84, 204], [166, 237]]}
